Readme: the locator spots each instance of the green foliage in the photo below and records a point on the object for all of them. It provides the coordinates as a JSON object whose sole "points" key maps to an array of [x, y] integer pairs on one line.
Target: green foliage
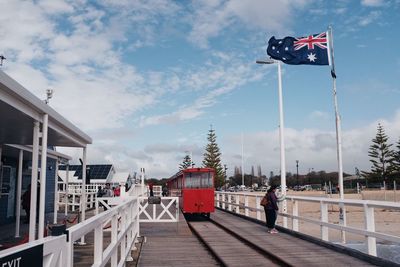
{"points": [[381, 157], [212, 158], [396, 158], [187, 163]]}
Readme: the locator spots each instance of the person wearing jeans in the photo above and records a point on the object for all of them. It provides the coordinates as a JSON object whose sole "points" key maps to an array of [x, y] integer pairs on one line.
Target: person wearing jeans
{"points": [[271, 210]]}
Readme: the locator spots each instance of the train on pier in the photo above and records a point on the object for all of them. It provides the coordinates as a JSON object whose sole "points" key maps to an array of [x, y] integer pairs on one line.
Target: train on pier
{"points": [[195, 189]]}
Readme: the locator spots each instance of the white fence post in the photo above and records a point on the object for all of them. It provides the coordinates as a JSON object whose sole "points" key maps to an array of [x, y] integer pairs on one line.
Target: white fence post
{"points": [[324, 218], [295, 212], [258, 212], [246, 204], [114, 236], [369, 218], [229, 202], [123, 228], [217, 200], [98, 244], [223, 200], [73, 201], [237, 203]]}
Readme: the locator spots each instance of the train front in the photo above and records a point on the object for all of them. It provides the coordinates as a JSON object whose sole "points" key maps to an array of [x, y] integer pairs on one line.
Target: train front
{"points": [[198, 191]]}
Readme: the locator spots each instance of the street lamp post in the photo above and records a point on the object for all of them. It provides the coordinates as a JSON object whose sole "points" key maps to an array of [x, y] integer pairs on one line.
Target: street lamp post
{"points": [[310, 170], [297, 173], [281, 135], [225, 177]]}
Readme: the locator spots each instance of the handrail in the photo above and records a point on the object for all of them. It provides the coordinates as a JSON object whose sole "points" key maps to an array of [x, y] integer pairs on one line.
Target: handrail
{"points": [[230, 200], [124, 231], [54, 251]]}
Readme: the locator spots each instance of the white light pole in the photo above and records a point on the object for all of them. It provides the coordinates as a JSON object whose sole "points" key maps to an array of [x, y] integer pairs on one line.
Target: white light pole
{"points": [[281, 135], [242, 163]]}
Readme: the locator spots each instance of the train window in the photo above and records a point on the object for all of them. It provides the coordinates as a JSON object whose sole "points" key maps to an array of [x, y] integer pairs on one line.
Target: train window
{"points": [[198, 180]]}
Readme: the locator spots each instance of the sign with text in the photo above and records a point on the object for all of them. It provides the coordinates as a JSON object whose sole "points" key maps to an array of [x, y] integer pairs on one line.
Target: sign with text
{"points": [[32, 257]]}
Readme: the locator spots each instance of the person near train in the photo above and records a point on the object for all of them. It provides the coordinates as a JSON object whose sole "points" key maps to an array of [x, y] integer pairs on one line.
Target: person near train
{"points": [[271, 210], [151, 189], [165, 190]]}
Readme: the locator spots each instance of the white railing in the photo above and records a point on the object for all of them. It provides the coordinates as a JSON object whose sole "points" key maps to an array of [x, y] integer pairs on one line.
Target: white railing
{"points": [[54, 252], [157, 190], [136, 190], [240, 203], [108, 202], [77, 187], [166, 211], [122, 221], [73, 202]]}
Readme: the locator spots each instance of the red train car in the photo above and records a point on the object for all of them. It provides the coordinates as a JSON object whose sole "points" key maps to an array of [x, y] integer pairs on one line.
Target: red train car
{"points": [[195, 188]]}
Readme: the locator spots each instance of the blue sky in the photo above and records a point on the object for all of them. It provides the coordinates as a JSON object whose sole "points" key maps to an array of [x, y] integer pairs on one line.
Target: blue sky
{"points": [[146, 79]]}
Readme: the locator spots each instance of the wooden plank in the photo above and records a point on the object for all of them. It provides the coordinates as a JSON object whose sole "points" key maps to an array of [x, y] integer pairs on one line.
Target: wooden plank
{"points": [[296, 251], [172, 244]]}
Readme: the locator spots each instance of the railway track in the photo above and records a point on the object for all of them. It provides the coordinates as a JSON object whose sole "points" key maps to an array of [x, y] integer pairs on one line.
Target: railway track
{"points": [[229, 248]]}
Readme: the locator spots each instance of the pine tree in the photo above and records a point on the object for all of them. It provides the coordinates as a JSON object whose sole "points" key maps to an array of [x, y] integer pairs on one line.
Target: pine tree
{"points": [[396, 158], [187, 163], [380, 155], [212, 158]]}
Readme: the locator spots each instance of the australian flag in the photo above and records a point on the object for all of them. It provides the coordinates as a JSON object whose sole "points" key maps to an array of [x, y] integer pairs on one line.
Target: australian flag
{"points": [[310, 50]]}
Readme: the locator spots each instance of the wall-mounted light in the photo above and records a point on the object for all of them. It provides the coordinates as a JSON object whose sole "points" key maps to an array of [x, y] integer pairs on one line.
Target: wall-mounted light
{"points": [[49, 95]]}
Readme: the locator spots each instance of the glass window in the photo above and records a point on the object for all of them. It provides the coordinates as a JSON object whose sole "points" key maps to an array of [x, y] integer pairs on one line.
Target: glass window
{"points": [[198, 180]]}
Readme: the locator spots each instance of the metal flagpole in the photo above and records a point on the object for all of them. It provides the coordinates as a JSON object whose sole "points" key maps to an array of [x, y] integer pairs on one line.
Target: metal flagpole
{"points": [[282, 144], [342, 211], [242, 162], [281, 137]]}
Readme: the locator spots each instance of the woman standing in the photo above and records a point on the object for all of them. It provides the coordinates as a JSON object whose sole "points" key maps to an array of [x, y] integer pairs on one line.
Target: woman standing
{"points": [[271, 210]]}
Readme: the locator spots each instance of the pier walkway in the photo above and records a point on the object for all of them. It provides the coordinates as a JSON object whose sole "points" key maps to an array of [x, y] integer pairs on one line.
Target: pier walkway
{"points": [[173, 244]]}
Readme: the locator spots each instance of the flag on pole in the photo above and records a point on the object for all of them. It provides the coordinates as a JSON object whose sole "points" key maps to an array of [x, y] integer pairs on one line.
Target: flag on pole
{"points": [[310, 50]]}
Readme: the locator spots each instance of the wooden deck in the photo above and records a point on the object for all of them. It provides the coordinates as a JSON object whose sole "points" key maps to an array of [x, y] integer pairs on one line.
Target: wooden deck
{"points": [[172, 244], [294, 250]]}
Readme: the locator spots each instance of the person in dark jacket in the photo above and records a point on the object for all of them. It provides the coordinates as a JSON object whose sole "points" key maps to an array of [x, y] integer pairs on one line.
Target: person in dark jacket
{"points": [[26, 203], [151, 189], [271, 210]]}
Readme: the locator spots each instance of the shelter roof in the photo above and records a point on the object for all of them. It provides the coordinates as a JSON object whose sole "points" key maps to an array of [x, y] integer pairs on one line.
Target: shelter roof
{"points": [[19, 108]]}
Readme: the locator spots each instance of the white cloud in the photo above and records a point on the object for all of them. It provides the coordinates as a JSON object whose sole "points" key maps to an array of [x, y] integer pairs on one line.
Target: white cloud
{"points": [[55, 6], [319, 115], [372, 3], [371, 17], [216, 80], [81, 62], [211, 17], [314, 148]]}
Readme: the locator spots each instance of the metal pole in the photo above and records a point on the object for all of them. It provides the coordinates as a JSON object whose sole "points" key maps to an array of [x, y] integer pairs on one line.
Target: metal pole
{"points": [[297, 169], [342, 212], [66, 190], [34, 176], [83, 192], [43, 169], [19, 184], [282, 145], [56, 194], [242, 162]]}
